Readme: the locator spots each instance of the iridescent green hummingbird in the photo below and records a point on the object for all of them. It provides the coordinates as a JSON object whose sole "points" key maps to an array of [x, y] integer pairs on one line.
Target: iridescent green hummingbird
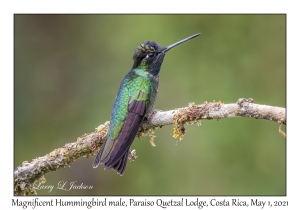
{"points": [[133, 103]]}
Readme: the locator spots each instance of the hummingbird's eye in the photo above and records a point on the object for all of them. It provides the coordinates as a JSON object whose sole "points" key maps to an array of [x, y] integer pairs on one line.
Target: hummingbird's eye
{"points": [[150, 55]]}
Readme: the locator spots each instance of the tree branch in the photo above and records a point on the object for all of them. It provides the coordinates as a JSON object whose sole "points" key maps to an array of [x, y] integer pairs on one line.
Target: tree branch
{"points": [[26, 174]]}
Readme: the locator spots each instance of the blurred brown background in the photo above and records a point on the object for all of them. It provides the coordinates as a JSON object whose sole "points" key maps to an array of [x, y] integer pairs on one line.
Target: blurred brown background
{"points": [[68, 69]]}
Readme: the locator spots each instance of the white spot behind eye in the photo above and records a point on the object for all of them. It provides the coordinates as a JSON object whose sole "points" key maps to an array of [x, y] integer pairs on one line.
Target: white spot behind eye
{"points": [[150, 55]]}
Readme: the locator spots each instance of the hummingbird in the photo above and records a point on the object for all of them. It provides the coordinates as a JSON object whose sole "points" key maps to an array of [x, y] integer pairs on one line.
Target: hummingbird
{"points": [[133, 104]]}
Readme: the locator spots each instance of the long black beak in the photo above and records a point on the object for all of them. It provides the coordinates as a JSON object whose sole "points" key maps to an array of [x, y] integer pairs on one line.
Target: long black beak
{"points": [[177, 43]]}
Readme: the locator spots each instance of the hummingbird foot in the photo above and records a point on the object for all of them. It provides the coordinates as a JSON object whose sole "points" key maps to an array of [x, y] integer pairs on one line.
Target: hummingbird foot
{"points": [[151, 115], [146, 122]]}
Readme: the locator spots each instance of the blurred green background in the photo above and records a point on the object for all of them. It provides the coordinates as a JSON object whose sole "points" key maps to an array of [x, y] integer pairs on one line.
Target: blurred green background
{"points": [[68, 68]]}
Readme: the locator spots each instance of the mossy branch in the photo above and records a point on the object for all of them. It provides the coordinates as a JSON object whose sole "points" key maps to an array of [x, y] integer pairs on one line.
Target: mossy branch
{"points": [[86, 145]]}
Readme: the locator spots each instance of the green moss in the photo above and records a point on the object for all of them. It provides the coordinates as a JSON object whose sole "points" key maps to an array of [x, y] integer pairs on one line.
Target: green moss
{"points": [[147, 132], [193, 115]]}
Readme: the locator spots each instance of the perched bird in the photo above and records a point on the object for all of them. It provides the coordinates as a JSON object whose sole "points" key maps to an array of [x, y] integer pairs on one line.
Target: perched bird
{"points": [[134, 102]]}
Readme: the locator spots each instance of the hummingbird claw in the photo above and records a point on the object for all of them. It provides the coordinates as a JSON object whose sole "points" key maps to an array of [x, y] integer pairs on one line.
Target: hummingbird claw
{"points": [[151, 115]]}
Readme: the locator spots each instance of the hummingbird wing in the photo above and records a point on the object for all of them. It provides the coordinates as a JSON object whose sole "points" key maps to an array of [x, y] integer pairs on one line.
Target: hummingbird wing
{"points": [[114, 153], [128, 112], [119, 154]]}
